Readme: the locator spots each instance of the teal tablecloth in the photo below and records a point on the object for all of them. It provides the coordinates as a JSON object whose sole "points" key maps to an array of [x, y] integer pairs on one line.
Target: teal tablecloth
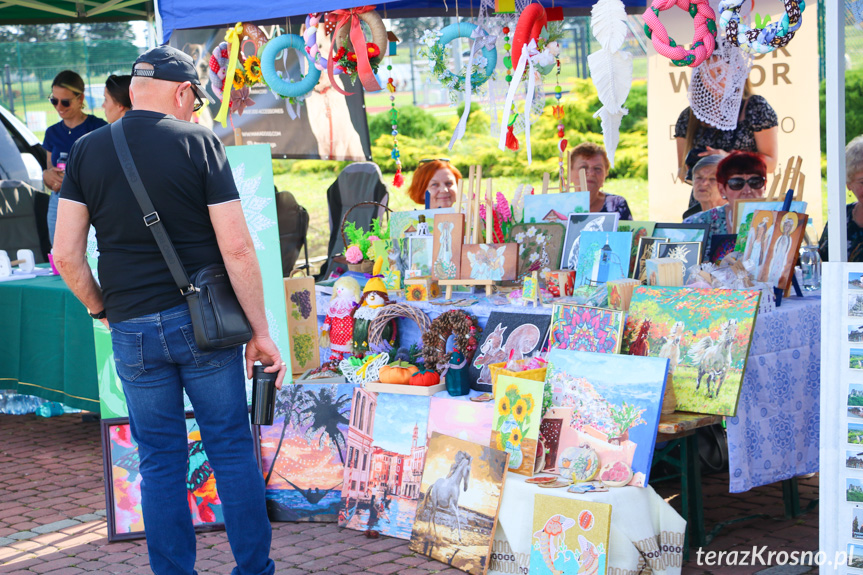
{"points": [[46, 343]]}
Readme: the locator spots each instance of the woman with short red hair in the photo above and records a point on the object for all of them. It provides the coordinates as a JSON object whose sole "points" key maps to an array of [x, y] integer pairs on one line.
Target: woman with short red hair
{"points": [[438, 178]]}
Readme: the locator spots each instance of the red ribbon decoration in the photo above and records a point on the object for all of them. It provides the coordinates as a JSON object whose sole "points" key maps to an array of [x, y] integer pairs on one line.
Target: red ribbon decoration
{"points": [[358, 39]]}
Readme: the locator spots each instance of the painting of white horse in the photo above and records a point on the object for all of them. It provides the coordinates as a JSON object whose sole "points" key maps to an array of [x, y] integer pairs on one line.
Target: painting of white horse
{"points": [[460, 495]]}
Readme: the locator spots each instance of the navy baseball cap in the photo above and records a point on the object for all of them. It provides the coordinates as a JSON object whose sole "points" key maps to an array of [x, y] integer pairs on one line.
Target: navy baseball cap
{"points": [[171, 65]]}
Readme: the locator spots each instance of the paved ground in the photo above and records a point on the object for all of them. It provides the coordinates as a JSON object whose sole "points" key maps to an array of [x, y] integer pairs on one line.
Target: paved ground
{"points": [[52, 508]]}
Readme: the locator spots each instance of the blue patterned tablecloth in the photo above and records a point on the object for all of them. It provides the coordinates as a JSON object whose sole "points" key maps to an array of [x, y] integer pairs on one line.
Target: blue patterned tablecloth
{"points": [[775, 434]]}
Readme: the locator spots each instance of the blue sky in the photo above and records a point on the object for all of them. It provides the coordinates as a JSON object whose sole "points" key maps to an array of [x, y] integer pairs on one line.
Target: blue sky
{"points": [[395, 417]]}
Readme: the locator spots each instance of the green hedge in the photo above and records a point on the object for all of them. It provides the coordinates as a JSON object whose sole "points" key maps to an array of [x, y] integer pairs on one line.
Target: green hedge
{"points": [[853, 107]]}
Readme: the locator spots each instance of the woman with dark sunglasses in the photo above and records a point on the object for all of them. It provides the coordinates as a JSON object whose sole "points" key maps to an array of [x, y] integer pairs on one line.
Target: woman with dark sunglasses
{"points": [[67, 97], [740, 175]]}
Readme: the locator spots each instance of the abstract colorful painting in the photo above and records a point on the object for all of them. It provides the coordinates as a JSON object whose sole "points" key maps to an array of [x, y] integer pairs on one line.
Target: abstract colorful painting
{"points": [[616, 401], [639, 230], [515, 427], [458, 417], [570, 536], [462, 487], [539, 247], [123, 482], [554, 208], [708, 356], [520, 335], [720, 246], [386, 449], [603, 257], [585, 328], [647, 247], [448, 240], [577, 223], [495, 262], [303, 453]]}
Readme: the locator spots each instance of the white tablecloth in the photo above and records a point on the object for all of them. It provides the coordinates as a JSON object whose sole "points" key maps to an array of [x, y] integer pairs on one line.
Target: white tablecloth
{"points": [[644, 528]]}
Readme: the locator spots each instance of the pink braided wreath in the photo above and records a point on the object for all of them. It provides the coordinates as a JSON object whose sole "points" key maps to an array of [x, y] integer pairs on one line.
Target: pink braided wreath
{"points": [[703, 42]]}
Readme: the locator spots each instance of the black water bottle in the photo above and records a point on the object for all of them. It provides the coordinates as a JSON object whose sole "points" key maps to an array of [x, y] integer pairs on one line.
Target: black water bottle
{"points": [[263, 396]]}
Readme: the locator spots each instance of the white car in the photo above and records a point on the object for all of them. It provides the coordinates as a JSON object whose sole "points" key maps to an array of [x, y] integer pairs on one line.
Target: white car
{"points": [[19, 148]]}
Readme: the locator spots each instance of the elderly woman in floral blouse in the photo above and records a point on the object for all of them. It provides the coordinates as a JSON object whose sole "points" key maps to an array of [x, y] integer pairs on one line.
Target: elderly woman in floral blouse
{"points": [[853, 211], [593, 160]]}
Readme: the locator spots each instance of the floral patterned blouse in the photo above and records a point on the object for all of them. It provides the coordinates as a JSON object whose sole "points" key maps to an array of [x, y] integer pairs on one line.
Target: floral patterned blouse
{"points": [[716, 218], [855, 238], [758, 116], [616, 204]]}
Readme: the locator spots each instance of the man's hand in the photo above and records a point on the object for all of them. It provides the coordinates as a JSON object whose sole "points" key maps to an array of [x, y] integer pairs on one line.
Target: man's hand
{"points": [[53, 179], [264, 350]]}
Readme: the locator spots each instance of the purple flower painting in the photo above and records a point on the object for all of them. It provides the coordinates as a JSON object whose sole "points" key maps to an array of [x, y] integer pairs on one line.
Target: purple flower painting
{"points": [[585, 328]]}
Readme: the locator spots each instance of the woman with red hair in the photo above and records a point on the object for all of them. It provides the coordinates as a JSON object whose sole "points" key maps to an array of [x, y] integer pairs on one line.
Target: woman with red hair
{"points": [[740, 175], [438, 178]]}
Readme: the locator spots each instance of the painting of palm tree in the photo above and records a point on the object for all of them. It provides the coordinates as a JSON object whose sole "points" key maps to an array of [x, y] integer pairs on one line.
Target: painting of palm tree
{"points": [[328, 411]]}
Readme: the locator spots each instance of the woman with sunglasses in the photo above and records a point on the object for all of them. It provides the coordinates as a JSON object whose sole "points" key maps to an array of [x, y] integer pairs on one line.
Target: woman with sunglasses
{"points": [[435, 183], [854, 210], [740, 175], [117, 101], [67, 97]]}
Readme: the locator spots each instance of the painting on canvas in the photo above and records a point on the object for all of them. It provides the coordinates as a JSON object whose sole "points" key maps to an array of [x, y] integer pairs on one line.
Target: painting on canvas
{"points": [[405, 224], [603, 256], [520, 334], [386, 450], [381, 249], [681, 232], [468, 420], [123, 481], [774, 244], [302, 323], [687, 252], [570, 536], [617, 399], [495, 262], [639, 230], [745, 208], [303, 453], [549, 434], [554, 208], [515, 427], [419, 256], [705, 333], [462, 487], [720, 246], [446, 252], [539, 247], [647, 249], [585, 328], [577, 223]]}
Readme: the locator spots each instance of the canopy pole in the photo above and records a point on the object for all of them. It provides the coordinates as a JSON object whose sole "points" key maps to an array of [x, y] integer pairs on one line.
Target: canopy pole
{"points": [[159, 35], [834, 55]]}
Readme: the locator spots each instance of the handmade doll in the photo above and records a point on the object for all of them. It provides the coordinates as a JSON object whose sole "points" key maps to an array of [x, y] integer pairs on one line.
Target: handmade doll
{"points": [[373, 300], [338, 328]]}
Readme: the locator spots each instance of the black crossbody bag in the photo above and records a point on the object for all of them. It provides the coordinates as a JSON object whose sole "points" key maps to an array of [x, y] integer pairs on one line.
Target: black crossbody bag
{"points": [[217, 317]]}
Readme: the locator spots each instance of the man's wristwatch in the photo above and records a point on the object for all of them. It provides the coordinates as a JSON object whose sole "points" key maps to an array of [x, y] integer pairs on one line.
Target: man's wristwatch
{"points": [[99, 315]]}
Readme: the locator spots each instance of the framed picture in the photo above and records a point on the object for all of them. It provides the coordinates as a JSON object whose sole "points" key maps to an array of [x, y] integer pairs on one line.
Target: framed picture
{"points": [[495, 262], [682, 233], [745, 208], [420, 249], [585, 328], [123, 482], [774, 249], [646, 250], [554, 208], [639, 230], [577, 223], [539, 247], [687, 252], [448, 239], [603, 257], [720, 246]]}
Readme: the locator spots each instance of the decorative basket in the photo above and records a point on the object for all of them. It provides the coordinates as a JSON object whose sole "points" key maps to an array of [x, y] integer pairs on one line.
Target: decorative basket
{"points": [[366, 266], [369, 371], [395, 311], [531, 374]]}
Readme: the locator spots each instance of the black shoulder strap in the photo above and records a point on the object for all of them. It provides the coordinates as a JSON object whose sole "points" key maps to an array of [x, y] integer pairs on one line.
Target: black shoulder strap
{"points": [[151, 217]]}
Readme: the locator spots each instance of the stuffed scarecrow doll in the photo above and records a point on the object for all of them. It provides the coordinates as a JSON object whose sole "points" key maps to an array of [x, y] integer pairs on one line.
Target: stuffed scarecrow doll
{"points": [[372, 302]]}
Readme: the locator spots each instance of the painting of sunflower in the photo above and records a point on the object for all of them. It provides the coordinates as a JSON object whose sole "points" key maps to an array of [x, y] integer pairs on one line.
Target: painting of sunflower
{"points": [[417, 293], [516, 425]]}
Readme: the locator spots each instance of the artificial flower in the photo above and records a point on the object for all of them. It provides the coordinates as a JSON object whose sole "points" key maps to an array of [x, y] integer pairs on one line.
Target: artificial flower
{"points": [[240, 99], [253, 69], [354, 255], [340, 53], [239, 79], [373, 50], [352, 57]]}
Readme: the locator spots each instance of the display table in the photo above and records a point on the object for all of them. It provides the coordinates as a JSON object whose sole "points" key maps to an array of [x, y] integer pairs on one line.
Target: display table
{"points": [[643, 525], [47, 343]]}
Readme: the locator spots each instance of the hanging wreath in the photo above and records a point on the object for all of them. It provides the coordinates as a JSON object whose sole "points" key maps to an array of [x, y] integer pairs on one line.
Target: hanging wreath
{"points": [[282, 87], [529, 26], [767, 38], [434, 48], [310, 35], [462, 326], [703, 42], [350, 50], [393, 312]]}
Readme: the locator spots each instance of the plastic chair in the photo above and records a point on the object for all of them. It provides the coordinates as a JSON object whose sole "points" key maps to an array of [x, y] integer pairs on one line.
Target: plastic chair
{"points": [[293, 229]]}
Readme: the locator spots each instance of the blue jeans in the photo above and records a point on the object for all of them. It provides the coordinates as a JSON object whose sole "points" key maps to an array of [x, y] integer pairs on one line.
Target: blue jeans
{"points": [[53, 202], [156, 358]]}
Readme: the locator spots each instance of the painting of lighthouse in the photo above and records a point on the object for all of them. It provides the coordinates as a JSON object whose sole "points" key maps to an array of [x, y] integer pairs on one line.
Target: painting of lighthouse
{"points": [[386, 453], [603, 256]]}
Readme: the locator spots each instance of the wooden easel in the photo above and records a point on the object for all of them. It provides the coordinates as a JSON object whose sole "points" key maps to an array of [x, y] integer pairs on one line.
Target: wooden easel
{"points": [[472, 224], [792, 179], [562, 186]]}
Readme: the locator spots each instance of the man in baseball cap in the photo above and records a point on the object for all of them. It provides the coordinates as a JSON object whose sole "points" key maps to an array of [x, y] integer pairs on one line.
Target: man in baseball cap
{"points": [[172, 65]]}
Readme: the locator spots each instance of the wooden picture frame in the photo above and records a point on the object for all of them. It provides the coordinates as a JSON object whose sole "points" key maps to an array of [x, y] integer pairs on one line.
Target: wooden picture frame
{"points": [[646, 251], [683, 233], [449, 231]]}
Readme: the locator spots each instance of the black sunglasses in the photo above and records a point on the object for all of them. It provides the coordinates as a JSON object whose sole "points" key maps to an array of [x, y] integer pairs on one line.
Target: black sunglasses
{"points": [[755, 183], [65, 103], [434, 160], [198, 102]]}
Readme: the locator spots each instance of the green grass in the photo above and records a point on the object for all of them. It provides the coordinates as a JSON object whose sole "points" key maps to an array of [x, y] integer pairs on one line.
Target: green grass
{"points": [[688, 399], [310, 190]]}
